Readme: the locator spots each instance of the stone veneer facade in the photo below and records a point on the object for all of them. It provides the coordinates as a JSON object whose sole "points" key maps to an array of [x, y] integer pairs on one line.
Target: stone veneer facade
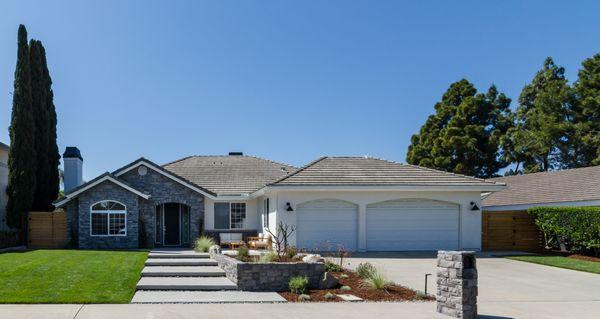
{"points": [[267, 276], [457, 284], [140, 212]]}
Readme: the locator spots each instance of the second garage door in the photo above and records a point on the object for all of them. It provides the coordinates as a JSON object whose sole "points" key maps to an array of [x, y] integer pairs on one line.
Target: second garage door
{"points": [[412, 224], [327, 224]]}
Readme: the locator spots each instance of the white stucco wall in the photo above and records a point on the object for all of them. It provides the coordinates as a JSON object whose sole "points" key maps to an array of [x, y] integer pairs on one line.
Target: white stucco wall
{"points": [[252, 213], [469, 223]]}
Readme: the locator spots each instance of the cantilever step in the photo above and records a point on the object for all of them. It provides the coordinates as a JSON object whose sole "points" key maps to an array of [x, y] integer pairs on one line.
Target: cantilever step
{"points": [[177, 254], [183, 271], [180, 262], [185, 283]]}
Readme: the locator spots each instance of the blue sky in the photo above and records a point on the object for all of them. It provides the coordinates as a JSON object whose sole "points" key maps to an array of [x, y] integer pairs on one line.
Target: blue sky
{"points": [[284, 80]]}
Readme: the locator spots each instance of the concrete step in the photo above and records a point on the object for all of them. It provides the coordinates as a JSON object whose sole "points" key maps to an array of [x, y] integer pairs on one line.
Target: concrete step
{"points": [[146, 296], [182, 271], [180, 262], [185, 283], [171, 254]]}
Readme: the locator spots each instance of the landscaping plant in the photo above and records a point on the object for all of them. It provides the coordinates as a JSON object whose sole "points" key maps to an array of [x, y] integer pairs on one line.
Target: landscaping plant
{"points": [[269, 257], [242, 253], [332, 267], [328, 296], [203, 243], [291, 252], [345, 288], [298, 285], [377, 281], [365, 270], [576, 227]]}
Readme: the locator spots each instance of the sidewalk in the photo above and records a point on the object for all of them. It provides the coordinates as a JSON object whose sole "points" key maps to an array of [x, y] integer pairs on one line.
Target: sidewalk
{"points": [[417, 310]]}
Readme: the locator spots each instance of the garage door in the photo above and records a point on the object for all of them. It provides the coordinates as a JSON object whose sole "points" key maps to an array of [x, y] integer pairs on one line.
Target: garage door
{"points": [[327, 225], [412, 225]]}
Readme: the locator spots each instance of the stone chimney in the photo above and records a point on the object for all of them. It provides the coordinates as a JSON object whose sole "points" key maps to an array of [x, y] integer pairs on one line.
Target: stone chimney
{"points": [[73, 165]]}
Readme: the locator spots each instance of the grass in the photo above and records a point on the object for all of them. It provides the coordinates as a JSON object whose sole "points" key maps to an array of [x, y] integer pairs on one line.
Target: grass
{"points": [[561, 262], [70, 276]]}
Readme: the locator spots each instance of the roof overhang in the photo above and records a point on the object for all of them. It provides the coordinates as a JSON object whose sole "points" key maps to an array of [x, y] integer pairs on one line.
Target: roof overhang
{"points": [[530, 205], [169, 175], [106, 177]]}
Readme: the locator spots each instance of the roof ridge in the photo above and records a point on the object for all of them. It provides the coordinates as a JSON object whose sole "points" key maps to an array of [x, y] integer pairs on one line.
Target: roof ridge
{"points": [[272, 161], [178, 160], [454, 174], [248, 156], [299, 170]]}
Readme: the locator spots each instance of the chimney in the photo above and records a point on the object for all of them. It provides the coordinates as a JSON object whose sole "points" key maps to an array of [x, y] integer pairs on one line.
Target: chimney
{"points": [[73, 164], [236, 154]]}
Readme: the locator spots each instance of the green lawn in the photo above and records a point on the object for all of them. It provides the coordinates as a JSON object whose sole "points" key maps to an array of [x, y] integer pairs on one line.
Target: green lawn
{"points": [[561, 262], [70, 276]]}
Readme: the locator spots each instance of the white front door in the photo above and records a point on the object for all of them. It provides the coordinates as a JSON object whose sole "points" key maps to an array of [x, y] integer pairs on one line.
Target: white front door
{"points": [[327, 225], [412, 224]]}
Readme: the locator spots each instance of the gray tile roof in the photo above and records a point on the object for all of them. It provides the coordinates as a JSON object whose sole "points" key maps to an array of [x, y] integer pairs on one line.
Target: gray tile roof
{"points": [[366, 171], [578, 184], [229, 175]]}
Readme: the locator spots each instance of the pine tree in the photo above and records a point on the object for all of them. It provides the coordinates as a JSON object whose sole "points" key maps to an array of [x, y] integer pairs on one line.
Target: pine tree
{"points": [[583, 136], [22, 154], [464, 134], [45, 118], [541, 120]]}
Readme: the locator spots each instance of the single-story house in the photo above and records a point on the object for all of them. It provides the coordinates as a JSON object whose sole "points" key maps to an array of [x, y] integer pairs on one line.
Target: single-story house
{"points": [[355, 203], [506, 224]]}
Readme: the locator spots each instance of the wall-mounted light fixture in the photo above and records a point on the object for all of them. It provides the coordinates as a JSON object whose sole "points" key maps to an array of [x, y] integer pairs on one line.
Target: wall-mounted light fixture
{"points": [[474, 206], [288, 207]]}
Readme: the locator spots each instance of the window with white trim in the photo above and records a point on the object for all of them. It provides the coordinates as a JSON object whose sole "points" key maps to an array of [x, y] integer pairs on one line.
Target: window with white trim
{"points": [[108, 218], [230, 215]]}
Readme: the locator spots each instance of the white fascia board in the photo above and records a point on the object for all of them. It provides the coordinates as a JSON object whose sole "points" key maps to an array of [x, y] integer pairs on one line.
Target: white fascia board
{"points": [[452, 188], [70, 196], [527, 206], [170, 176]]}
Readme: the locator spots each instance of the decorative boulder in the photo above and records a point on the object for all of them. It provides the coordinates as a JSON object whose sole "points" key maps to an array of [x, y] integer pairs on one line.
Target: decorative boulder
{"points": [[327, 281], [313, 259], [214, 249]]}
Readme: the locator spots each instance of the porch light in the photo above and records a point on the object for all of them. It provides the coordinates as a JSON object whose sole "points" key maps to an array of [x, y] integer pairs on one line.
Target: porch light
{"points": [[474, 206], [288, 207]]}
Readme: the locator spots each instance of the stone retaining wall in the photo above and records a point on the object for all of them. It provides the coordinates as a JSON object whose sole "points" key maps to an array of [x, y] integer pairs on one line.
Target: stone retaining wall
{"points": [[457, 284], [268, 276]]}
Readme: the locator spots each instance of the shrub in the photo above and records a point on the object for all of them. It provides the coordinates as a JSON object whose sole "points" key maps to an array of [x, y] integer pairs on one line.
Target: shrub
{"points": [[203, 243], [332, 267], [576, 227], [328, 296], [9, 239], [269, 257], [345, 288], [344, 276], [291, 252], [376, 281], [242, 253], [303, 297], [365, 270], [298, 284]]}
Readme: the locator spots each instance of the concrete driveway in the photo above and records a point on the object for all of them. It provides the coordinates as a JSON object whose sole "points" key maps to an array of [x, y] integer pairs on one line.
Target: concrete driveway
{"points": [[507, 288]]}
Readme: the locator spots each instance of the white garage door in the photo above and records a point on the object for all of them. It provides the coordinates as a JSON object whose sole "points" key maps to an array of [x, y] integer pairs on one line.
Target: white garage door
{"points": [[327, 225], [412, 225]]}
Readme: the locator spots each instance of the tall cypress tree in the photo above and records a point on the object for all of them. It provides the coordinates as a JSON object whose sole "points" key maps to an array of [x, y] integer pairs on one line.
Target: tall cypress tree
{"points": [[45, 139], [542, 119], [22, 153], [464, 134]]}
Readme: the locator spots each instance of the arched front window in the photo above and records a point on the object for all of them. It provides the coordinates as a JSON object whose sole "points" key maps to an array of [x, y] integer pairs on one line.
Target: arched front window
{"points": [[108, 218]]}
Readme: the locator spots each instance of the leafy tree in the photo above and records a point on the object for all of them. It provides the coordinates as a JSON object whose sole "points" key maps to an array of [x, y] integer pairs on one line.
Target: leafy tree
{"points": [[583, 136], [47, 174], [541, 121], [464, 134], [22, 153]]}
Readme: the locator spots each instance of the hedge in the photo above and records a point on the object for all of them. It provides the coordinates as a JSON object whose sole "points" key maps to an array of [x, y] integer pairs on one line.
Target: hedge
{"points": [[578, 228]]}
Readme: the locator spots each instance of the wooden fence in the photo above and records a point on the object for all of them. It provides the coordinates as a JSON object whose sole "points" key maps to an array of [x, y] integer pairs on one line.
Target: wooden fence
{"points": [[47, 230], [510, 230]]}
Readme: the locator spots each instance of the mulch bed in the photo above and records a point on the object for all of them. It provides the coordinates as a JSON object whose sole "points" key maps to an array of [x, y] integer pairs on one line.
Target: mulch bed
{"points": [[392, 293], [572, 255], [583, 257]]}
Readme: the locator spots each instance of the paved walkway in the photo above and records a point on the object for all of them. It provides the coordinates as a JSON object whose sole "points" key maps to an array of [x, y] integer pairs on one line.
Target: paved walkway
{"points": [[416, 310], [185, 276]]}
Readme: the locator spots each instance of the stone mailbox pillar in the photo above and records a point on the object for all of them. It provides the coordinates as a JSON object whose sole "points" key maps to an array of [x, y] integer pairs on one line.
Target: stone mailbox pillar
{"points": [[457, 284]]}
